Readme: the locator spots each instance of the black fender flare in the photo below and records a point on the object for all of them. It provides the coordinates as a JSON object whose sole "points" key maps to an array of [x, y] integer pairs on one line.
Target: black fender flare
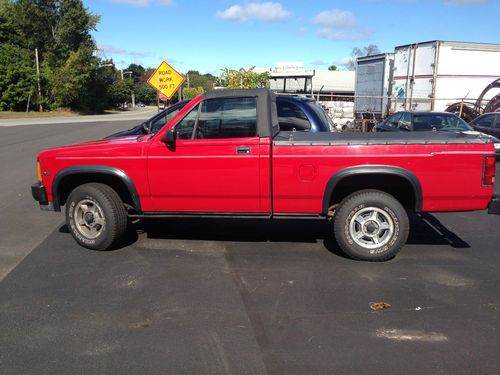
{"points": [[94, 169], [372, 169]]}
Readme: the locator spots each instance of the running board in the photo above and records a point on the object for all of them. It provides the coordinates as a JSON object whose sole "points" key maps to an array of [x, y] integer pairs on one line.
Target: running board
{"points": [[216, 215]]}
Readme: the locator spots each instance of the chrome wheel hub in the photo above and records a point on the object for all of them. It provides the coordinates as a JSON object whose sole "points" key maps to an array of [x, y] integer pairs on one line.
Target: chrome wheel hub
{"points": [[89, 218], [371, 227]]}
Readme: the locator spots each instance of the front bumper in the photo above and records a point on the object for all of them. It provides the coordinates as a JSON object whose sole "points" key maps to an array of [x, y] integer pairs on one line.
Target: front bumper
{"points": [[39, 194], [494, 206]]}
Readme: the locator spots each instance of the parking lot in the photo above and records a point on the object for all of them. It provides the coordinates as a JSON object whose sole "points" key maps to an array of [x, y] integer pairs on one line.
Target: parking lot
{"points": [[236, 296]]}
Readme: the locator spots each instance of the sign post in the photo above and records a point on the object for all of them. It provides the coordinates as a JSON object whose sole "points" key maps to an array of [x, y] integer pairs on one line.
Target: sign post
{"points": [[166, 80]]}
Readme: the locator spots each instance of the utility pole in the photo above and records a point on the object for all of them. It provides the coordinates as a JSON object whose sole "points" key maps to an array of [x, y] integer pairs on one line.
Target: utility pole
{"points": [[40, 107]]}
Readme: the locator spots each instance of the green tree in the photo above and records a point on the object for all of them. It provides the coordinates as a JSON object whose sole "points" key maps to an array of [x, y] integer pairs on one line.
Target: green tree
{"points": [[73, 26], [95, 98], [7, 27], [120, 91], [17, 77], [332, 68], [242, 78], [61, 31], [191, 92], [67, 84], [137, 71], [206, 81], [144, 93]]}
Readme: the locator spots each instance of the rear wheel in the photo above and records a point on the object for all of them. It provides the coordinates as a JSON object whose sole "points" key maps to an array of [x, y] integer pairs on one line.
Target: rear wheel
{"points": [[96, 216], [371, 225]]}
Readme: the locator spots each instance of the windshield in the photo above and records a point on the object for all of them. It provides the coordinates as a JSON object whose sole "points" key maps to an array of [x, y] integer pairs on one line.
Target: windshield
{"points": [[165, 117], [439, 122]]}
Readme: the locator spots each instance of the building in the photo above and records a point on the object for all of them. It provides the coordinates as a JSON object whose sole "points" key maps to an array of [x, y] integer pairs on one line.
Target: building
{"points": [[334, 90]]}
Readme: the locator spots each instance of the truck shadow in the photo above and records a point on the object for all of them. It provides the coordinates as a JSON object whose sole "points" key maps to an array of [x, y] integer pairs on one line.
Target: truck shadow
{"points": [[425, 229]]}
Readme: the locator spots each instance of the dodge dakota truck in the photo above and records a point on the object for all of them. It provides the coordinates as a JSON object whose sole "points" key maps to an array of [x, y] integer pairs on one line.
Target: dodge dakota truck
{"points": [[224, 155]]}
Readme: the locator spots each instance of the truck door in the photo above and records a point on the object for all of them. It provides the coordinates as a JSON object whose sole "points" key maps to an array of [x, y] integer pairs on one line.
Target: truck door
{"points": [[215, 165]]}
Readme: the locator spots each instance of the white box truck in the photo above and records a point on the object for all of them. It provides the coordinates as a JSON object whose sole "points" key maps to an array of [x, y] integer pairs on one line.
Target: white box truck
{"points": [[440, 76], [373, 85]]}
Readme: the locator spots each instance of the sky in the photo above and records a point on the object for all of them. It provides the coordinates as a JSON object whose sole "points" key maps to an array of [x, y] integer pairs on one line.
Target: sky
{"points": [[214, 34]]}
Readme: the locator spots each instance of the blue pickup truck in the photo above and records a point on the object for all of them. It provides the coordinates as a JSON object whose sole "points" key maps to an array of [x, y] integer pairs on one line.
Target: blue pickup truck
{"points": [[294, 112]]}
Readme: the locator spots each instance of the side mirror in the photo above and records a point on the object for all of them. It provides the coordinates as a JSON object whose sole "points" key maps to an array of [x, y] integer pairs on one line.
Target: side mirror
{"points": [[169, 139], [146, 127]]}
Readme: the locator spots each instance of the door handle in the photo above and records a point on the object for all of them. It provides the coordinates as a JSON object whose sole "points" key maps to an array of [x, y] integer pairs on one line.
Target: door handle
{"points": [[243, 150]]}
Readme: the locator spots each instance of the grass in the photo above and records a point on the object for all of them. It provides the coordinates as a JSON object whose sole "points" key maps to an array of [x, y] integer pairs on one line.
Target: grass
{"points": [[32, 114], [58, 113]]}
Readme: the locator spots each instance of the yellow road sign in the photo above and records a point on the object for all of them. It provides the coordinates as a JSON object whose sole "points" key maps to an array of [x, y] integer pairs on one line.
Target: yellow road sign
{"points": [[166, 79]]}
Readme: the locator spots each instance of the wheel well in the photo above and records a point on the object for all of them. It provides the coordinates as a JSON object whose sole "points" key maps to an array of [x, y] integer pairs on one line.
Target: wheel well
{"points": [[70, 182], [397, 186]]}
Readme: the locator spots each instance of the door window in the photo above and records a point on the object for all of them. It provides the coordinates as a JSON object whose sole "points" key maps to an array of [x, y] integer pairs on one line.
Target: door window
{"points": [[393, 120], [227, 118], [184, 129], [497, 123], [485, 121], [290, 117], [405, 121]]}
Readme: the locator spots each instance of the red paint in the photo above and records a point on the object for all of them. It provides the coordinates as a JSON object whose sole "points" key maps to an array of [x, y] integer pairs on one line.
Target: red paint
{"points": [[208, 175]]}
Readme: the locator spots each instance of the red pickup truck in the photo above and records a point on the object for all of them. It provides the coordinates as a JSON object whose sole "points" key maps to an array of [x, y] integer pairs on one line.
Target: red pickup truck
{"points": [[224, 155]]}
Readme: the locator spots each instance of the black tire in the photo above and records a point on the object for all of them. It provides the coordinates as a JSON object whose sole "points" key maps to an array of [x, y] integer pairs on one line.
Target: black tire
{"points": [[107, 207], [371, 225]]}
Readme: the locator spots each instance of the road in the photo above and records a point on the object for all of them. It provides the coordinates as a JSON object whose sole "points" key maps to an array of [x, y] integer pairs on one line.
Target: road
{"points": [[22, 225], [136, 115], [236, 296]]}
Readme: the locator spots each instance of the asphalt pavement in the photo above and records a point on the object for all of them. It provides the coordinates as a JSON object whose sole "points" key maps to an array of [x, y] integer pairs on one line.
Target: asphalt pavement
{"points": [[136, 114], [22, 224], [236, 296]]}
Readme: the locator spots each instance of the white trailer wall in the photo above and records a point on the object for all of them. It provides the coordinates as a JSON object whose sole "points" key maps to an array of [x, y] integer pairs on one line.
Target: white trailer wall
{"points": [[464, 70], [435, 75]]}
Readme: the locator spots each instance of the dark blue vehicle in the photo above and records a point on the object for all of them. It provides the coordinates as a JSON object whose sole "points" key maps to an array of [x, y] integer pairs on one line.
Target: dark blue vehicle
{"points": [[294, 112], [423, 121], [302, 114], [431, 121]]}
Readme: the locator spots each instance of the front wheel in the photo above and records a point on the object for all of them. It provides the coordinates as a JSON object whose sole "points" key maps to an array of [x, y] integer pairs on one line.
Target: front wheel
{"points": [[96, 216], [371, 225]]}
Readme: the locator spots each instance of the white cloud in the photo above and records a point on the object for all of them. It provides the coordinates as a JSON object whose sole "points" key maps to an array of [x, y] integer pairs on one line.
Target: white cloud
{"points": [[344, 61], [144, 3], [267, 12], [333, 34], [336, 24], [335, 18], [111, 50]]}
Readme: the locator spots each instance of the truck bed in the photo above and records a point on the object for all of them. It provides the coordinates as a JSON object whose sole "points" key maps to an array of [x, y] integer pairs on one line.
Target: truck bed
{"points": [[437, 160], [375, 138]]}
